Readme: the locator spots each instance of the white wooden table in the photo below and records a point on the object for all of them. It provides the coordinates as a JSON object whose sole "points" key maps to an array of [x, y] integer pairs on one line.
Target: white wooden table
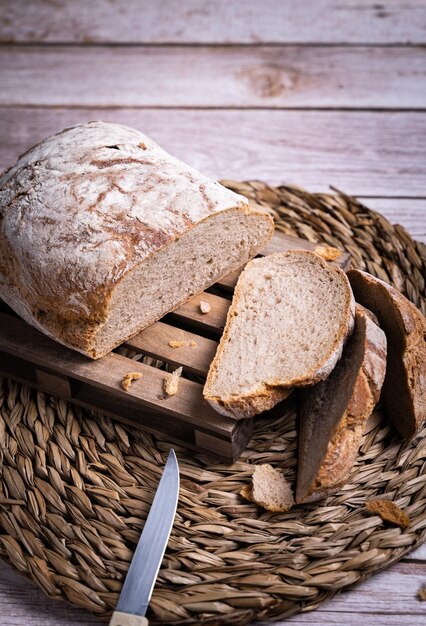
{"points": [[312, 92]]}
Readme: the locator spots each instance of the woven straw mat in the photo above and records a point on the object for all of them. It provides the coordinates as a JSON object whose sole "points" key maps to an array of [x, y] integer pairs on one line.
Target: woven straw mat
{"points": [[77, 486]]}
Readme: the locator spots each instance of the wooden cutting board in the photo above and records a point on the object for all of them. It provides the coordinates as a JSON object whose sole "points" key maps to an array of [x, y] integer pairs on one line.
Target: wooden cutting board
{"points": [[28, 356]]}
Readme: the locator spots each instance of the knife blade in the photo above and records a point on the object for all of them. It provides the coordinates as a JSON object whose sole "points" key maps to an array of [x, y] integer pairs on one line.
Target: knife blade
{"points": [[140, 580]]}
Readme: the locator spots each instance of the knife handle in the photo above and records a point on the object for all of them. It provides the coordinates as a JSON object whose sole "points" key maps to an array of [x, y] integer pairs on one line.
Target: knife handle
{"points": [[126, 619]]}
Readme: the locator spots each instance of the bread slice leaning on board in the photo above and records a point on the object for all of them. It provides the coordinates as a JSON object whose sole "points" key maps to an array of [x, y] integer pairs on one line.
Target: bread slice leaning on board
{"points": [[290, 317], [404, 389], [333, 414], [102, 232]]}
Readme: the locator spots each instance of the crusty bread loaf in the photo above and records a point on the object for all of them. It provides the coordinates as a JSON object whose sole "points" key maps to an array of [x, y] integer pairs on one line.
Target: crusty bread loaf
{"points": [[404, 389], [333, 414], [289, 319], [102, 232], [269, 489]]}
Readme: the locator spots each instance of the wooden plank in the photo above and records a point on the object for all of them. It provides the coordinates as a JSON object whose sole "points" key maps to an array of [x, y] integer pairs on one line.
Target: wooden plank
{"points": [[362, 153], [57, 384], [273, 76], [189, 313], [228, 445], [155, 341], [214, 21], [107, 374]]}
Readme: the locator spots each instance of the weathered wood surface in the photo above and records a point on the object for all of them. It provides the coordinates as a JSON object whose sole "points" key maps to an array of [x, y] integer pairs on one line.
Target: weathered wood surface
{"points": [[363, 153], [379, 156], [260, 76], [214, 21]]}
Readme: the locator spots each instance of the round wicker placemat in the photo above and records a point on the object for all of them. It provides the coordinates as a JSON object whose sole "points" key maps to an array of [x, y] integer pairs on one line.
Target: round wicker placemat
{"points": [[76, 486]]}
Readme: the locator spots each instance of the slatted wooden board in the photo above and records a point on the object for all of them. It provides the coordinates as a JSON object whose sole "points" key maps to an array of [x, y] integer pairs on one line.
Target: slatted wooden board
{"points": [[28, 356]]}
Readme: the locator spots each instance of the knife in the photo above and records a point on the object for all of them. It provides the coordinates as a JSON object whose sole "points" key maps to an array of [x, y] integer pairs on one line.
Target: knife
{"points": [[140, 580]]}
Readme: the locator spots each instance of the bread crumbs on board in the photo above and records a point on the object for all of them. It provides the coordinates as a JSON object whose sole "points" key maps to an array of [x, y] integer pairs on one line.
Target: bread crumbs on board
{"points": [[205, 307], [389, 512], [129, 378], [176, 344], [171, 383]]}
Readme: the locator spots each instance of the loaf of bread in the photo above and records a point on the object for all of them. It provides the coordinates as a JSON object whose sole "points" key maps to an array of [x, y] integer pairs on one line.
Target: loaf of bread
{"points": [[333, 414], [102, 232], [289, 319], [404, 389]]}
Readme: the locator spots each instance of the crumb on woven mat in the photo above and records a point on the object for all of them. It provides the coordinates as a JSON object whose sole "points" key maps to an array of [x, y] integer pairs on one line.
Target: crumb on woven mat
{"points": [[389, 512], [129, 378], [421, 594], [246, 492], [205, 307], [171, 383], [176, 344], [327, 252], [269, 490]]}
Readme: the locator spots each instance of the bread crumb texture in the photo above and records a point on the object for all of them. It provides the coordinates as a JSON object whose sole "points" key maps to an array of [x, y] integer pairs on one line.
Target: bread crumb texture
{"points": [[328, 253], [192, 344], [269, 490], [389, 512], [176, 344], [246, 492], [129, 378], [205, 307], [171, 383]]}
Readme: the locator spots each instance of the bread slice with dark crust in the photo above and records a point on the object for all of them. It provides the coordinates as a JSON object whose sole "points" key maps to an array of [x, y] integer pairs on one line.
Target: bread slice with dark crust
{"points": [[290, 317], [404, 389], [333, 414]]}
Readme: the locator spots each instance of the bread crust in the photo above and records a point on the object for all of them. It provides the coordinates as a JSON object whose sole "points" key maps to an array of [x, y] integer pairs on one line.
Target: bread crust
{"points": [[247, 406], [404, 389], [342, 448], [85, 207], [268, 394]]}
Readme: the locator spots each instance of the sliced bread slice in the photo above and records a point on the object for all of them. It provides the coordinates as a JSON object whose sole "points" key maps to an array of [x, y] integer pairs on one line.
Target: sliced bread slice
{"points": [[269, 489], [404, 389], [289, 319], [333, 414]]}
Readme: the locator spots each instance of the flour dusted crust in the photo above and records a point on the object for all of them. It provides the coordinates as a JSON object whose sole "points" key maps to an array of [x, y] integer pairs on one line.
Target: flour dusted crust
{"points": [[81, 209]]}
